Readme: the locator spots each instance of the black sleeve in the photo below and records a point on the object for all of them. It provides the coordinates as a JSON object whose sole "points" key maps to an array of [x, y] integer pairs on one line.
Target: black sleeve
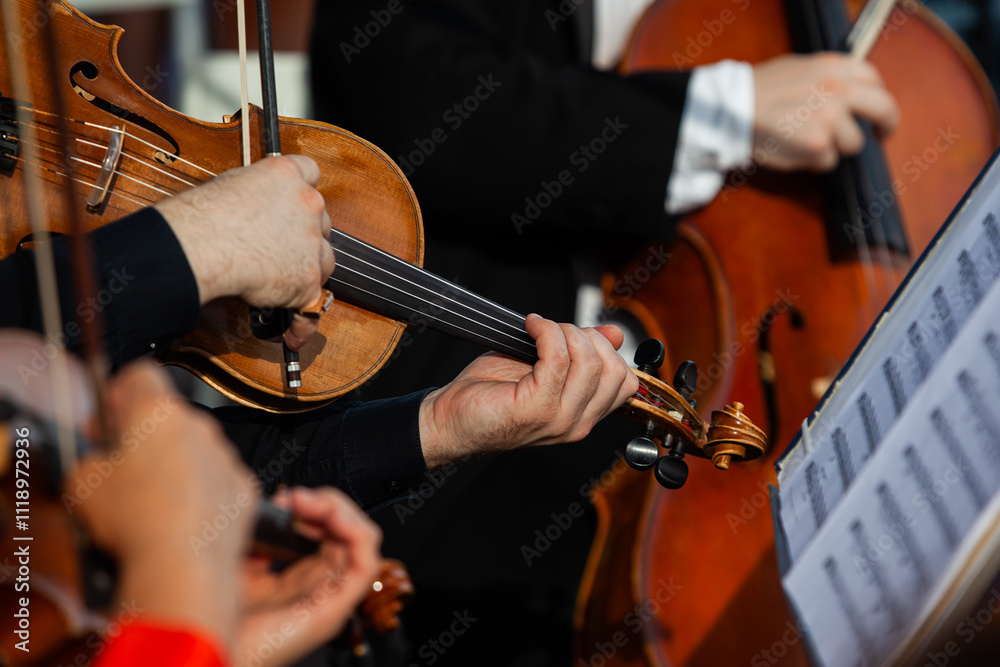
{"points": [[485, 104], [146, 290], [370, 450]]}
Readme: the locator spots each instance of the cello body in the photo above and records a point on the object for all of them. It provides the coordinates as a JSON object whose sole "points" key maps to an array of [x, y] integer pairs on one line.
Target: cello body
{"points": [[690, 577]]}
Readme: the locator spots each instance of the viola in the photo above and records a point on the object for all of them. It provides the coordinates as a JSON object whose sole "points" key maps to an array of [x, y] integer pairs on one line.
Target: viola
{"points": [[784, 296]]}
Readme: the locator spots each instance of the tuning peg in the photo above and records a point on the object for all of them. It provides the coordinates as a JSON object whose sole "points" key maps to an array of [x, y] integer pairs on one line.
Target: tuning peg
{"points": [[641, 452], [649, 355], [671, 472], [686, 379]]}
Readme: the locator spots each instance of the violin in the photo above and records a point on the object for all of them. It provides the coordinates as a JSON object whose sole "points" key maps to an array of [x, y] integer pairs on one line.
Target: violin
{"points": [[784, 297], [69, 583], [132, 151]]}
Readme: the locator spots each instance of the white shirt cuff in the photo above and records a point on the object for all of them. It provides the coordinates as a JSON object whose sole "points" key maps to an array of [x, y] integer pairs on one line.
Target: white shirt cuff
{"points": [[716, 133]]}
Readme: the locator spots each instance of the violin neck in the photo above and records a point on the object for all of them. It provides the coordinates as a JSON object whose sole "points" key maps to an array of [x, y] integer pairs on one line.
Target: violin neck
{"points": [[862, 206], [375, 280]]}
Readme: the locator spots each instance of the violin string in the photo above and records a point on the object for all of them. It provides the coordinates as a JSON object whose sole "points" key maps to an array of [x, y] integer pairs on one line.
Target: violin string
{"points": [[404, 265], [125, 153], [147, 163], [97, 166], [129, 135], [496, 342], [121, 172], [420, 300], [83, 182]]}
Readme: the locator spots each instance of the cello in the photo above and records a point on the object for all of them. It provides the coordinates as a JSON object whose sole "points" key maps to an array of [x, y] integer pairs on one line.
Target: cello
{"points": [[785, 297]]}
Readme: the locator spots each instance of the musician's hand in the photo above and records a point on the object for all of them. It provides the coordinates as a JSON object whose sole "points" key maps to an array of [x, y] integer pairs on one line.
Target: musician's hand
{"points": [[806, 106], [289, 614], [497, 403], [258, 233], [172, 502]]}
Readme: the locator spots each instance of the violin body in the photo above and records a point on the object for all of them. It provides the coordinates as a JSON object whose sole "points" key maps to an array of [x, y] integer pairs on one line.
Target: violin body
{"points": [[774, 312], [164, 152]]}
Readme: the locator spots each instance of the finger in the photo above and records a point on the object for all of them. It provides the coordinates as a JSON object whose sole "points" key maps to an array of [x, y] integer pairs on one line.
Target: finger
{"points": [[584, 375], [876, 104], [301, 329], [549, 373], [825, 160], [327, 260], [867, 73], [614, 371], [325, 224], [848, 136], [612, 333], [336, 512], [307, 167], [135, 385]]}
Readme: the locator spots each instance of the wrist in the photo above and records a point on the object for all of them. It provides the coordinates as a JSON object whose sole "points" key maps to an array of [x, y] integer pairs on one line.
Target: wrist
{"points": [[181, 217], [436, 441]]}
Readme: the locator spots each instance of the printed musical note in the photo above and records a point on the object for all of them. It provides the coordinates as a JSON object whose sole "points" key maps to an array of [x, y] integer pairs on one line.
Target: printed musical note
{"points": [[901, 528], [969, 278], [920, 349], [992, 343], [849, 608], [959, 455], [944, 520], [815, 494], [987, 421], [870, 420], [895, 381], [843, 454], [944, 314], [877, 572]]}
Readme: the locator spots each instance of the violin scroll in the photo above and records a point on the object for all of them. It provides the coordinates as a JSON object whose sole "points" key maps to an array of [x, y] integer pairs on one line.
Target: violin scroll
{"points": [[668, 415], [389, 595]]}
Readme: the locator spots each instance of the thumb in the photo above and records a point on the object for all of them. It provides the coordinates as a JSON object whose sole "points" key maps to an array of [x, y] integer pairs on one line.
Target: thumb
{"points": [[612, 333]]}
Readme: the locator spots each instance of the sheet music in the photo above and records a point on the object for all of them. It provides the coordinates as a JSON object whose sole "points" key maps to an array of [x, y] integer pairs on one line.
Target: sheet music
{"points": [[871, 574], [891, 368]]}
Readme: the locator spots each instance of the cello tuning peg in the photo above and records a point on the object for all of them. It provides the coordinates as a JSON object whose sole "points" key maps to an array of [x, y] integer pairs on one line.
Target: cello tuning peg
{"points": [[671, 471], [649, 355], [641, 453], [686, 379]]}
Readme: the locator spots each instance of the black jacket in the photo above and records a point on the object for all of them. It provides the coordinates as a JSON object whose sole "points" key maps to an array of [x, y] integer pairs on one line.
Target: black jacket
{"points": [[147, 293]]}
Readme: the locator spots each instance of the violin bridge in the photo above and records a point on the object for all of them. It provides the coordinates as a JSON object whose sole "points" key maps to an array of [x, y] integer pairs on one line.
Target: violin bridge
{"points": [[10, 142], [99, 191]]}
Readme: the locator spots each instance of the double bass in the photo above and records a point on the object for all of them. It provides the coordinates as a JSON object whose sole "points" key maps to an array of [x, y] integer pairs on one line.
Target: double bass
{"points": [[790, 272]]}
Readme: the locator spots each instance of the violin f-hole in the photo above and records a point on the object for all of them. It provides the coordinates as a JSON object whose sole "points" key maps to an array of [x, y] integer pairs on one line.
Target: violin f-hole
{"points": [[89, 71]]}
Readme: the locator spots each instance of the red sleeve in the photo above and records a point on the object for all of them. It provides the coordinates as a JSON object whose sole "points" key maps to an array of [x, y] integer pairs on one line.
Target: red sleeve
{"points": [[153, 645]]}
